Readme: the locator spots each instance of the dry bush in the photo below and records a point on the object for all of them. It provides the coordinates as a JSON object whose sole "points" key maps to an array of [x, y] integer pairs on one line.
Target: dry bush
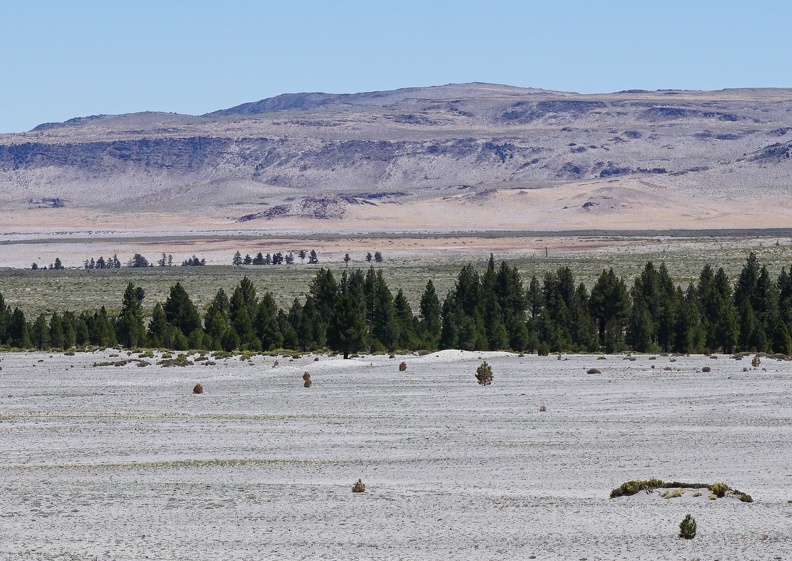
{"points": [[359, 487], [198, 388], [402, 366]]}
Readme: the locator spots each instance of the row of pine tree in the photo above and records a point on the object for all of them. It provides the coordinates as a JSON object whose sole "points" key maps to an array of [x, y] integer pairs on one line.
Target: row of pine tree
{"points": [[484, 311]]}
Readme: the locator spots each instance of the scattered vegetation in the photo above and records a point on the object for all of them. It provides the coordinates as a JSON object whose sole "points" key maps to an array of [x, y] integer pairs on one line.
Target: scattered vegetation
{"points": [[489, 310], [198, 388], [359, 487], [719, 490]]}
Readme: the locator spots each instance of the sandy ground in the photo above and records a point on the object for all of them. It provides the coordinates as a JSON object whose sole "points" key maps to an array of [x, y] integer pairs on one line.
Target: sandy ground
{"points": [[126, 463]]}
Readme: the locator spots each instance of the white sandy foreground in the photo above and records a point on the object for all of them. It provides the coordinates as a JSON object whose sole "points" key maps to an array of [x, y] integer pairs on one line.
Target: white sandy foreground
{"points": [[125, 463]]}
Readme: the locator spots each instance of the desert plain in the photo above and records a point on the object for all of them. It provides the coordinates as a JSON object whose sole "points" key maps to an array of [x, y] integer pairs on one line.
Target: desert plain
{"points": [[126, 463]]}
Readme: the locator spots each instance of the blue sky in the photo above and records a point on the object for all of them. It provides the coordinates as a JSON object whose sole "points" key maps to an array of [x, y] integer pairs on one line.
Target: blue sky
{"points": [[64, 59]]}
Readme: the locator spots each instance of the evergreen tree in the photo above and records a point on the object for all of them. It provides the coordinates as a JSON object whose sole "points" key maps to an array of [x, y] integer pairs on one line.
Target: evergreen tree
{"points": [[216, 318], [324, 291], [102, 332], [430, 311], [384, 327], [782, 343], [689, 334], [267, 325], [346, 331], [159, 331], [312, 330], [230, 340], [18, 332], [130, 330], [610, 306], [5, 318], [180, 310], [40, 336], [56, 331], [639, 328], [70, 322], [407, 324]]}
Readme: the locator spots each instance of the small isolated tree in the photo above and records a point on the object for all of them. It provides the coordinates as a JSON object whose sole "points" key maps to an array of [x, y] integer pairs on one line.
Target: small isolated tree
{"points": [[378, 257], [484, 374], [687, 528]]}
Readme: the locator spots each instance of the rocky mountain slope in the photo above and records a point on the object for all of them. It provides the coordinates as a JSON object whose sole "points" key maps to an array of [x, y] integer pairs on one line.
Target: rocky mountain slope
{"points": [[479, 155]]}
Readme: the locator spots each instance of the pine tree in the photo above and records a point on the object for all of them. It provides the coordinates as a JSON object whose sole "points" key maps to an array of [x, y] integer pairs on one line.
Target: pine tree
{"points": [[180, 310], [610, 306], [130, 331], [324, 291], [18, 332], [406, 323], [39, 336], [430, 312], [347, 330], [158, 328], [56, 331], [782, 343]]}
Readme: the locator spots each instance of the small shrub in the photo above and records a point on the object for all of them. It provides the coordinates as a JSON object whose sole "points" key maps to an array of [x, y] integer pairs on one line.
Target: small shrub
{"points": [[306, 376], [180, 360], [744, 497], [756, 361], [719, 489], [687, 528], [402, 366], [673, 493], [359, 487], [593, 371], [543, 349], [706, 369], [484, 374], [198, 388]]}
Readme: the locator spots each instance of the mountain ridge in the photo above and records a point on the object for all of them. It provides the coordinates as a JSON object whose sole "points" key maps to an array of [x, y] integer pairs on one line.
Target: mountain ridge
{"points": [[461, 149]]}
